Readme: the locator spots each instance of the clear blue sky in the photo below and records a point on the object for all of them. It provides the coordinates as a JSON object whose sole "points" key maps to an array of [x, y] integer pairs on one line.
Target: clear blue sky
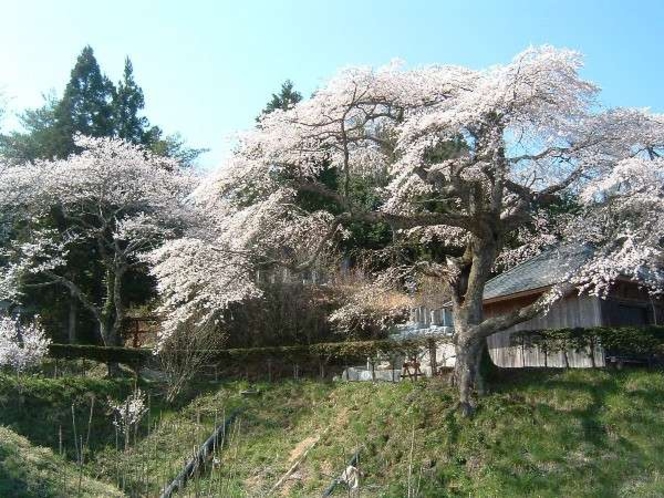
{"points": [[208, 67]]}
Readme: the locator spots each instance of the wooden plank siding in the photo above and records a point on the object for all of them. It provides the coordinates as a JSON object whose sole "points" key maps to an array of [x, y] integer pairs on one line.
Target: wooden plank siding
{"points": [[573, 311]]}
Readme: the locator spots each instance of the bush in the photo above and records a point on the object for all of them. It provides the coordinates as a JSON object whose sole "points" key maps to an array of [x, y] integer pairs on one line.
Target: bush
{"points": [[616, 340], [308, 358], [135, 358]]}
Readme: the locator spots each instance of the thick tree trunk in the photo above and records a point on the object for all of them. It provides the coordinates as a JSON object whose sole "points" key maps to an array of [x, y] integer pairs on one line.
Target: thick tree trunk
{"points": [[466, 370], [113, 367], [113, 314], [480, 381], [71, 319], [474, 270]]}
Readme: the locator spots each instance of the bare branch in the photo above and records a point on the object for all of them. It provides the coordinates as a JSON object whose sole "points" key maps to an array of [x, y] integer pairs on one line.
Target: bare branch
{"points": [[499, 323]]}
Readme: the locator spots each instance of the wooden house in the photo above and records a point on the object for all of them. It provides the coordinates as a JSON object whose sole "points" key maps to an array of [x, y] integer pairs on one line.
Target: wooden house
{"points": [[626, 304]]}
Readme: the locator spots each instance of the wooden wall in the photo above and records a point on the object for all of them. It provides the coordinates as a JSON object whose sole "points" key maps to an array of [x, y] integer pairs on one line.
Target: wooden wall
{"points": [[573, 311]]}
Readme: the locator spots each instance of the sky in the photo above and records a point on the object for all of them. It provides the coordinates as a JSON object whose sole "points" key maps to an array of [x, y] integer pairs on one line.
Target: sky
{"points": [[207, 68]]}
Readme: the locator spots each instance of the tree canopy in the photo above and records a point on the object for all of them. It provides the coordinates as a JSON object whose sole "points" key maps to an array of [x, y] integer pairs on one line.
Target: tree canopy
{"points": [[284, 100]]}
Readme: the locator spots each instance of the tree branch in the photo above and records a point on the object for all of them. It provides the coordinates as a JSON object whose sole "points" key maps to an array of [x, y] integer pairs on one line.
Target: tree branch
{"points": [[496, 324], [75, 291]]}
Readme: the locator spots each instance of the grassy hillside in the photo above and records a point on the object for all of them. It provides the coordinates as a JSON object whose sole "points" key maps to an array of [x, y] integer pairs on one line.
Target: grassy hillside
{"points": [[29, 471], [566, 433]]}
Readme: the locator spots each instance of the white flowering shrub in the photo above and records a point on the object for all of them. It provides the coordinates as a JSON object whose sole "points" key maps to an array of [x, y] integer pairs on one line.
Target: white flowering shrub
{"points": [[21, 346], [129, 413]]}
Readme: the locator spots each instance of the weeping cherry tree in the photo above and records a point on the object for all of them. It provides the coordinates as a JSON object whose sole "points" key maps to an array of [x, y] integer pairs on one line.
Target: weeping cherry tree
{"points": [[481, 161]]}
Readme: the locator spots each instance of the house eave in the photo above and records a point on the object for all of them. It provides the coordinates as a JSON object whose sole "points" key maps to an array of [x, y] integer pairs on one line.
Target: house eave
{"points": [[516, 295]]}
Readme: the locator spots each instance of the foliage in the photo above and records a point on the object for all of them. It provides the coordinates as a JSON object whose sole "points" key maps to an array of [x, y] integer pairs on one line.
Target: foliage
{"points": [[173, 146], [45, 412], [133, 357], [284, 100], [29, 471], [347, 350], [41, 140], [87, 105], [128, 413], [236, 358], [91, 105], [128, 101], [288, 312], [616, 340], [21, 346]]}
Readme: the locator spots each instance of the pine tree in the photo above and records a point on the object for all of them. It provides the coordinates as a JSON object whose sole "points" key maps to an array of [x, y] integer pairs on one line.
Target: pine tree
{"points": [[128, 101], [40, 141], [284, 100], [86, 106]]}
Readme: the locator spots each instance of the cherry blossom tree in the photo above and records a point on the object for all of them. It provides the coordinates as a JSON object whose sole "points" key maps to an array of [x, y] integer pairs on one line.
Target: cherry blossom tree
{"points": [[480, 161], [115, 197], [21, 347]]}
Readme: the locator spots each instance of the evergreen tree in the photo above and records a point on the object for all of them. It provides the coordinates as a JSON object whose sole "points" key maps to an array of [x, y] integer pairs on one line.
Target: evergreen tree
{"points": [[284, 100], [91, 105], [173, 146], [86, 106], [128, 101], [41, 139]]}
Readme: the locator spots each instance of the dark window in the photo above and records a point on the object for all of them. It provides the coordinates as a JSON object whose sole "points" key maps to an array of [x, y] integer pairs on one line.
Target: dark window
{"points": [[616, 314]]}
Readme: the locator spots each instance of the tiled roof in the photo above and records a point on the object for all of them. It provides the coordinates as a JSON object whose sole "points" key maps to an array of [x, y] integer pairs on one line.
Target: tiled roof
{"points": [[546, 269]]}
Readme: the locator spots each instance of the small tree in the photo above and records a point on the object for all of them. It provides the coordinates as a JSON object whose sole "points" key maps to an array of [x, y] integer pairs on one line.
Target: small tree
{"points": [[114, 197], [187, 352], [21, 346], [128, 414]]}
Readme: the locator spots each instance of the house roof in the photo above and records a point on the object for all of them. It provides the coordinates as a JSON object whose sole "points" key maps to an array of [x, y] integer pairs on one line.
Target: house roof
{"points": [[542, 271]]}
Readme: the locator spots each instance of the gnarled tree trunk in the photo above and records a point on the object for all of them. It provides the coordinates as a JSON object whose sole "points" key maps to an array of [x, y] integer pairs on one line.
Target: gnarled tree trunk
{"points": [[467, 374], [113, 314]]}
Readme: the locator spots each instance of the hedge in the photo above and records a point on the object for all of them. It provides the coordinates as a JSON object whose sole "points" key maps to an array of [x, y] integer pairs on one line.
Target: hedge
{"points": [[103, 354], [328, 352], [615, 340]]}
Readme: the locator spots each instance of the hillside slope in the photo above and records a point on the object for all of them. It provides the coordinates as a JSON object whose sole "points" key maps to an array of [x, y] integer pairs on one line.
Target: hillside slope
{"points": [[31, 471], [573, 433]]}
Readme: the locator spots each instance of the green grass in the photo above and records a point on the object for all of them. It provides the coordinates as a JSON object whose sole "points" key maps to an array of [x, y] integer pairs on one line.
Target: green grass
{"points": [[41, 408], [574, 433], [29, 471]]}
